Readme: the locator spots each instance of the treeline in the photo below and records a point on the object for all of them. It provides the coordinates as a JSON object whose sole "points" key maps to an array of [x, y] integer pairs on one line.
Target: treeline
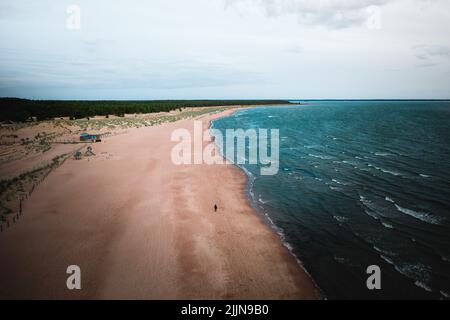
{"points": [[14, 109]]}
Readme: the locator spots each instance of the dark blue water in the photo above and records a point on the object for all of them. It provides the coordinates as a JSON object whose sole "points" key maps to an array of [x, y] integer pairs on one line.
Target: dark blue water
{"points": [[360, 183]]}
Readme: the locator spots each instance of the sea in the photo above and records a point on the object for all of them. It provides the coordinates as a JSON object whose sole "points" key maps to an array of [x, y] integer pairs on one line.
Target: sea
{"points": [[360, 183]]}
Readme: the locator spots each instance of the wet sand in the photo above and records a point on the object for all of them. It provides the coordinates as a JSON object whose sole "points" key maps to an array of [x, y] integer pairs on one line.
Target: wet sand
{"points": [[141, 227]]}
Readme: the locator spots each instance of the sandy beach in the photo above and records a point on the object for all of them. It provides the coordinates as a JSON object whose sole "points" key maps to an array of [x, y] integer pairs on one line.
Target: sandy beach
{"points": [[141, 227]]}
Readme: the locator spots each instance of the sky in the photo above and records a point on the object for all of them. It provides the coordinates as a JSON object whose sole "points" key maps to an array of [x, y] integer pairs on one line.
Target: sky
{"points": [[225, 49]]}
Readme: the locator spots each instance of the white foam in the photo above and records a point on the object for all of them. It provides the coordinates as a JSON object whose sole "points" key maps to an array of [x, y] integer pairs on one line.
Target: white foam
{"points": [[422, 285], [390, 172], [262, 201], [339, 182], [340, 219], [388, 260], [385, 252], [389, 200], [423, 216], [372, 214], [382, 154], [335, 188], [387, 225], [320, 157], [394, 173], [373, 209], [418, 272]]}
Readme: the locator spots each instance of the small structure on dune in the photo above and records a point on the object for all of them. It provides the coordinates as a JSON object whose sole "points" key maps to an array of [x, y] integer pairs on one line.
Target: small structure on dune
{"points": [[78, 155], [84, 137]]}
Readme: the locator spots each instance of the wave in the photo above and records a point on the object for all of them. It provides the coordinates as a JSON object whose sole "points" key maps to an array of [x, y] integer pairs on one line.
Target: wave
{"points": [[375, 211], [335, 188], [394, 173], [385, 252], [340, 219], [389, 200], [388, 260], [422, 285], [312, 146], [417, 272], [387, 225], [339, 182], [382, 154], [423, 216], [372, 214], [320, 156], [262, 201], [444, 294]]}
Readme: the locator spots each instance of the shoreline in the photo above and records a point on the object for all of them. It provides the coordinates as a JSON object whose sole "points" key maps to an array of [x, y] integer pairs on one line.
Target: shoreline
{"points": [[141, 227], [265, 218]]}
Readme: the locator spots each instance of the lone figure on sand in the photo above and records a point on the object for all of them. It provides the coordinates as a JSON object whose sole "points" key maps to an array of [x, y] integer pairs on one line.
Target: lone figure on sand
{"points": [[215, 208]]}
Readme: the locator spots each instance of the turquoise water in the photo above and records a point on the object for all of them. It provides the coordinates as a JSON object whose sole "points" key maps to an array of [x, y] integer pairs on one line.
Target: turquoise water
{"points": [[360, 183]]}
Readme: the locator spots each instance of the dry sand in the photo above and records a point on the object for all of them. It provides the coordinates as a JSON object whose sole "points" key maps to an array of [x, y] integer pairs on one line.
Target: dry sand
{"points": [[141, 227]]}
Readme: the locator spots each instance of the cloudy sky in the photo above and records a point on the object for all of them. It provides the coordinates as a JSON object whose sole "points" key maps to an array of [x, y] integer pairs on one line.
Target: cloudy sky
{"points": [[173, 49]]}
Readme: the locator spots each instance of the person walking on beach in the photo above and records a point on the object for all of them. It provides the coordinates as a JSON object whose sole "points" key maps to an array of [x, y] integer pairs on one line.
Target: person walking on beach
{"points": [[215, 208]]}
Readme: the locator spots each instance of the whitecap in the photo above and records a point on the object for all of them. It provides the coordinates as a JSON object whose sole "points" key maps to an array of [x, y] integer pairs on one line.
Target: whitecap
{"points": [[424, 175], [423, 216], [340, 219], [389, 200], [374, 210], [387, 225], [372, 214], [417, 272], [394, 173], [385, 252], [262, 201], [444, 294], [339, 182], [320, 156], [382, 154], [388, 260], [422, 285]]}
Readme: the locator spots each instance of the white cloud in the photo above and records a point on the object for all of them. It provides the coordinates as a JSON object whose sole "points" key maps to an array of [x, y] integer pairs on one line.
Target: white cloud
{"points": [[329, 13], [163, 49], [426, 52]]}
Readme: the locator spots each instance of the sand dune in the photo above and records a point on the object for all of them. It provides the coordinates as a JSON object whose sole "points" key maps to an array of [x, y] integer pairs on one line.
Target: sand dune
{"points": [[141, 227]]}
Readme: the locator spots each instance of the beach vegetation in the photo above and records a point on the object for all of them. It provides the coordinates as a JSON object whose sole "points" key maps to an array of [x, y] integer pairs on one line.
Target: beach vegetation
{"points": [[21, 110]]}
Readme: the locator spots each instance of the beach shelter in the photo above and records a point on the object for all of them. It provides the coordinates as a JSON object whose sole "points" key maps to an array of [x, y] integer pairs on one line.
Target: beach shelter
{"points": [[85, 137]]}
